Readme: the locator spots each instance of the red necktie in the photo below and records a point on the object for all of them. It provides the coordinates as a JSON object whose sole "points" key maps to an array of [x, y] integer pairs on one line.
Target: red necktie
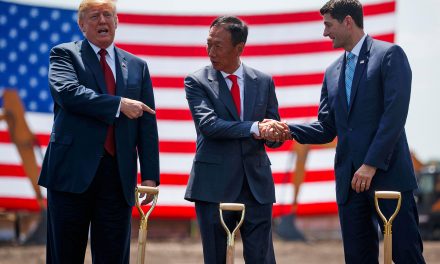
{"points": [[111, 87], [235, 91]]}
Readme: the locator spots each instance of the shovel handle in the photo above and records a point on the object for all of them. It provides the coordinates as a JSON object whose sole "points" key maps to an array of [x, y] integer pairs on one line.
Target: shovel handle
{"points": [[232, 206], [387, 195], [148, 190]]}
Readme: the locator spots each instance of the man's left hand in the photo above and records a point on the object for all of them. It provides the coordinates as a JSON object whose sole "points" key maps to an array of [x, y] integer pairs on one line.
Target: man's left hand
{"points": [[149, 197], [362, 178]]}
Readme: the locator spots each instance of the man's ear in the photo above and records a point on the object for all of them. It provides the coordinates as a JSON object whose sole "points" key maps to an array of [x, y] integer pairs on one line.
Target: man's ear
{"points": [[240, 48], [116, 21]]}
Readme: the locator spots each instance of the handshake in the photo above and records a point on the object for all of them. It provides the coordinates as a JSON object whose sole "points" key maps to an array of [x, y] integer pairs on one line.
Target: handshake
{"points": [[273, 130]]}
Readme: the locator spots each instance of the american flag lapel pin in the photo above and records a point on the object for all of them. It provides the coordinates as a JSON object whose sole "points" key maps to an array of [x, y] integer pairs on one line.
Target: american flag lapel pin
{"points": [[362, 62]]}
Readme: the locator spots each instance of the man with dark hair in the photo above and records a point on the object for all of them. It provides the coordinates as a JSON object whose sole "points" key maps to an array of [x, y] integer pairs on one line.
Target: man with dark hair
{"points": [[364, 102], [227, 99]]}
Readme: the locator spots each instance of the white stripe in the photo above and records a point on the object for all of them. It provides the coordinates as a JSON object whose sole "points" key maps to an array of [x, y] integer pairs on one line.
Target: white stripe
{"points": [[258, 34], [169, 130], [282, 161], [274, 65], [310, 192], [17, 187], [174, 98]]}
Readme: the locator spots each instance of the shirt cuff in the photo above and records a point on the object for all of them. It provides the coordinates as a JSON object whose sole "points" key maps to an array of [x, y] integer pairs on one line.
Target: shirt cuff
{"points": [[119, 108], [254, 129]]}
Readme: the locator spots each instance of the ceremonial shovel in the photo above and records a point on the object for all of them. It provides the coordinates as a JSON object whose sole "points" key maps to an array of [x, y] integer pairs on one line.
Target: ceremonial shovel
{"points": [[230, 250], [387, 235], [144, 219]]}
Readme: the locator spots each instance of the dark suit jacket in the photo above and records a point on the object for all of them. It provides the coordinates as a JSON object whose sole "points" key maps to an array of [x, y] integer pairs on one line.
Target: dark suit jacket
{"points": [[226, 150], [371, 130], [82, 113]]}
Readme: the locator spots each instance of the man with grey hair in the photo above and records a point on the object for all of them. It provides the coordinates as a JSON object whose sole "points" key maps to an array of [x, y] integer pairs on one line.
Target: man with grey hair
{"points": [[103, 119]]}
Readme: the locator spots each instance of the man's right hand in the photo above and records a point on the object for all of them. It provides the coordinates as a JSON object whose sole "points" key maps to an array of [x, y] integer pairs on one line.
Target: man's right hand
{"points": [[134, 109], [274, 130]]}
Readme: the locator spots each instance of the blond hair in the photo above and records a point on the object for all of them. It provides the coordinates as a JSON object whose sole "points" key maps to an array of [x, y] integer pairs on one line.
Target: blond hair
{"points": [[86, 4]]}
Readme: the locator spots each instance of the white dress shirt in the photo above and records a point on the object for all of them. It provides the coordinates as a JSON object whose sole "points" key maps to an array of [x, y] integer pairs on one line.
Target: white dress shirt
{"points": [[357, 49], [240, 81], [111, 61]]}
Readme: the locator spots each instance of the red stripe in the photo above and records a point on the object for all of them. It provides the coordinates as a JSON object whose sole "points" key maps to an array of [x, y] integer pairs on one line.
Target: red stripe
{"points": [[178, 212], [250, 50], [292, 17], [280, 80], [288, 112], [182, 179]]}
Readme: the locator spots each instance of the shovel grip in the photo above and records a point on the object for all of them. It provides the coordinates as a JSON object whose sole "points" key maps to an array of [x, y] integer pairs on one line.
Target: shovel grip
{"points": [[232, 206], [148, 190], [387, 195]]}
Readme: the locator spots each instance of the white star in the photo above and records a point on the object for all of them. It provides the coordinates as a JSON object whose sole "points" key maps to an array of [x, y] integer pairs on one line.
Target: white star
{"points": [[2, 66], [75, 17], [33, 105], [34, 35], [43, 95], [43, 47], [33, 58], [65, 27], [3, 20], [75, 37], [54, 37], [22, 69], [55, 15], [22, 93], [34, 12], [44, 25], [12, 9], [33, 82], [3, 43], [12, 80], [22, 46], [42, 71], [12, 56], [23, 23], [12, 33]]}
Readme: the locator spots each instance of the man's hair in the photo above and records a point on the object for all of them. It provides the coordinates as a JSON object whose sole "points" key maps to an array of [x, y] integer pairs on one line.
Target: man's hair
{"points": [[237, 28], [339, 9], [86, 4]]}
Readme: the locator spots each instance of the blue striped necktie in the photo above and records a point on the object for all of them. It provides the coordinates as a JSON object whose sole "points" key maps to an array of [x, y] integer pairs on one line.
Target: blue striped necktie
{"points": [[349, 72]]}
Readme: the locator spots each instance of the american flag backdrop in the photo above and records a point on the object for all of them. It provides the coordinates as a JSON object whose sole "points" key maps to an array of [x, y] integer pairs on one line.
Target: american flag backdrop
{"points": [[288, 45]]}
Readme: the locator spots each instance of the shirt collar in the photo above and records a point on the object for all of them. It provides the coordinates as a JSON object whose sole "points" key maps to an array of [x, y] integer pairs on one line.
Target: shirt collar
{"points": [[110, 49], [357, 49], [238, 72]]}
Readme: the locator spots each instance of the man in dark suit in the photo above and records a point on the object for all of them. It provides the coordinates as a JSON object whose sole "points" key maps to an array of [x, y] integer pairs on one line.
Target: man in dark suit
{"points": [[364, 102], [227, 99], [100, 95]]}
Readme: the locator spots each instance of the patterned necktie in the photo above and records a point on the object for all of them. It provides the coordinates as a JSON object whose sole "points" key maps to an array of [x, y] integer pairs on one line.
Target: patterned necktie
{"points": [[235, 91], [109, 144], [349, 72]]}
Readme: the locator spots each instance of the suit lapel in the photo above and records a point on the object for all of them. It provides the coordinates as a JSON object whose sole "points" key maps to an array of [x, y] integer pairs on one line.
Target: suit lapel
{"points": [[91, 59], [218, 84], [250, 92], [361, 64], [121, 72]]}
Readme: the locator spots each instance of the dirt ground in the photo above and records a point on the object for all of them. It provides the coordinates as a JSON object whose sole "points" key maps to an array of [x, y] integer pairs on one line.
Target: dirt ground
{"points": [[189, 251]]}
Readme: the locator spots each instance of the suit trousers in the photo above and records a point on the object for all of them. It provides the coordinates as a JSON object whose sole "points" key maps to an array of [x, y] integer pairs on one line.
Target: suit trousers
{"points": [[360, 233], [256, 231], [103, 208]]}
